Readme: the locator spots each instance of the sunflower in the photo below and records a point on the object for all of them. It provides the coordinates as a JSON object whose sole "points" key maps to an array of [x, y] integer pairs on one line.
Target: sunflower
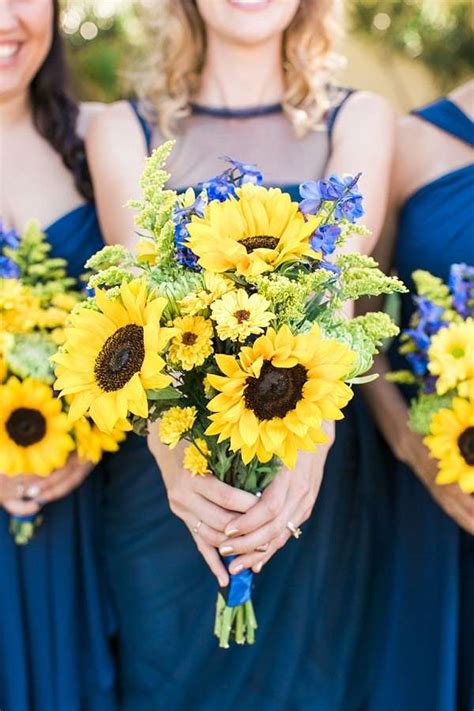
{"points": [[273, 398], [111, 356], [34, 431], [174, 423], [252, 234], [452, 442], [193, 342], [196, 458], [239, 315], [451, 357], [91, 443]]}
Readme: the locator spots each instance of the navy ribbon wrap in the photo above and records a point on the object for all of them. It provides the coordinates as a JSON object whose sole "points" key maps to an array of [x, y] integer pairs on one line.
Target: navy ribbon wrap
{"points": [[239, 590]]}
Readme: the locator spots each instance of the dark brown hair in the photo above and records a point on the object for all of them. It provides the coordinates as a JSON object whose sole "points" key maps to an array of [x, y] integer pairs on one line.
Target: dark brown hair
{"points": [[55, 112]]}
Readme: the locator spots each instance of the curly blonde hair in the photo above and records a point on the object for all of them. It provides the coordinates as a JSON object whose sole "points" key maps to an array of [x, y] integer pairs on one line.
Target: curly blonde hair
{"points": [[171, 73]]}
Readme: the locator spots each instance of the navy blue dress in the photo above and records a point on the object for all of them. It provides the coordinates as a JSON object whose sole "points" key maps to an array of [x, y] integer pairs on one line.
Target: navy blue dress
{"points": [[429, 658], [319, 601], [54, 615]]}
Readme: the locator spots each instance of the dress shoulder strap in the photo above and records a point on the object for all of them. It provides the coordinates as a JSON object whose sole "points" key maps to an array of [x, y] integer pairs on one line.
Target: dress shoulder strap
{"points": [[145, 126], [334, 110], [447, 116]]}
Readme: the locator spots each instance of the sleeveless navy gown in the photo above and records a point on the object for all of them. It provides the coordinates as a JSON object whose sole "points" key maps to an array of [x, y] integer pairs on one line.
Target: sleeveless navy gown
{"points": [[54, 615], [429, 658], [319, 601]]}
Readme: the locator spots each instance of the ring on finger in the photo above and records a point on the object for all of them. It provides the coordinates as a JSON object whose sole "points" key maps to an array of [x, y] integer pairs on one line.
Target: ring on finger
{"points": [[262, 549], [197, 527], [295, 532]]}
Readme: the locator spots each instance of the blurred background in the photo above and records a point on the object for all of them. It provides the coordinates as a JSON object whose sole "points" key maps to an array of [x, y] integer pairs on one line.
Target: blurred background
{"points": [[411, 51]]}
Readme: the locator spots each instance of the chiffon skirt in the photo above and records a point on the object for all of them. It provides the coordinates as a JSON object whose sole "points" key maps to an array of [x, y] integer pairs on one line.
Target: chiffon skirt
{"points": [[54, 615], [320, 602]]}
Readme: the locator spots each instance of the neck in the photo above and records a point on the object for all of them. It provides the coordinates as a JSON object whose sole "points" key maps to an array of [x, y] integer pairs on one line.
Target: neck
{"points": [[240, 76], [15, 109]]}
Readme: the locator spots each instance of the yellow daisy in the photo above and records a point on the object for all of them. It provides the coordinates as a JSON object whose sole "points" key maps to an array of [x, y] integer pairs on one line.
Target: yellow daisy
{"points": [[19, 307], [196, 458], [34, 431], [452, 442], [174, 424], [215, 286], [239, 315], [111, 357], [193, 342], [252, 234], [451, 357], [273, 398], [91, 443]]}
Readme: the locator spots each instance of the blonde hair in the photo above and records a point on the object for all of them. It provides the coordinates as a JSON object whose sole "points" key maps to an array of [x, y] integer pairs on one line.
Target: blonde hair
{"points": [[171, 73]]}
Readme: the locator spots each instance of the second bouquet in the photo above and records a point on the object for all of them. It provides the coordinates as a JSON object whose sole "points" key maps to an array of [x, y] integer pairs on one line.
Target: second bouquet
{"points": [[227, 329]]}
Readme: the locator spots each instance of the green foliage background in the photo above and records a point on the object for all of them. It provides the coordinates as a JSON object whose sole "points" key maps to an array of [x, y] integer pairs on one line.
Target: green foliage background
{"points": [[438, 33]]}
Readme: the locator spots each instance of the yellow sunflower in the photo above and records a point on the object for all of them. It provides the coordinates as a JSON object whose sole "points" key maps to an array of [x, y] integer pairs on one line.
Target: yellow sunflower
{"points": [[91, 443], [196, 458], [452, 442], [451, 357], [193, 342], [34, 431], [111, 357], [239, 315], [174, 423], [252, 234], [273, 398]]}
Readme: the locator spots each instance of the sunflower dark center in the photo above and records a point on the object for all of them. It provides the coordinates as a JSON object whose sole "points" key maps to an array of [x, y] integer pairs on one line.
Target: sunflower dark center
{"points": [[189, 338], [276, 391], [466, 445], [26, 426], [242, 315], [259, 242], [122, 356]]}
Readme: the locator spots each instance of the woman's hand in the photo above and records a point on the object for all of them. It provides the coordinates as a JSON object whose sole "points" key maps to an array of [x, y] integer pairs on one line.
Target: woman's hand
{"points": [[257, 535], [206, 505], [24, 495], [454, 502]]}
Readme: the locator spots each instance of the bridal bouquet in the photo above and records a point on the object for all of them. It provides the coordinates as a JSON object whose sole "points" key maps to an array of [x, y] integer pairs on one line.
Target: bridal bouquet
{"points": [[226, 327], [439, 348], [36, 435]]}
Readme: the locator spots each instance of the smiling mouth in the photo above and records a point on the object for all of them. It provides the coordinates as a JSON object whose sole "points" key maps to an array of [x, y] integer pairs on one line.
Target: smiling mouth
{"points": [[8, 50], [250, 4]]}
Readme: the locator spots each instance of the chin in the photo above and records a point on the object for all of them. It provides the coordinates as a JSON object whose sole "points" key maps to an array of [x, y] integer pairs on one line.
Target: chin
{"points": [[248, 22]]}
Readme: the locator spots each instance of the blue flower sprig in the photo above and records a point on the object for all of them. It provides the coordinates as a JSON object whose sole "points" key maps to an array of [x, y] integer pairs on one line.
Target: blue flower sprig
{"points": [[9, 239]]}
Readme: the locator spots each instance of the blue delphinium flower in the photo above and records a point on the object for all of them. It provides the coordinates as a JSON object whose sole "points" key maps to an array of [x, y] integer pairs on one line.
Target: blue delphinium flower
{"points": [[223, 186], [325, 238], [461, 284], [342, 191], [181, 218], [428, 321], [8, 238], [8, 268]]}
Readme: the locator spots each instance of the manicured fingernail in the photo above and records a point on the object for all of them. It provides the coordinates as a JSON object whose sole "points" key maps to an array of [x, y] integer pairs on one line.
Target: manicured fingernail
{"points": [[229, 532], [235, 570], [258, 567], [33, 491], [226, 550]]}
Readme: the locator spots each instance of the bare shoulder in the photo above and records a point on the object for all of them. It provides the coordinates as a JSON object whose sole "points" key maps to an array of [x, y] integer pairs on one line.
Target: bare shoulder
{"points": [[371, 108], [87, 112], [114, 119]]}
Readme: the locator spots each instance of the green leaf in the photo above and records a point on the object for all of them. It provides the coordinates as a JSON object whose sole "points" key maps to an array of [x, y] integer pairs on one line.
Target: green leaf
{"points": [[168, 393]]}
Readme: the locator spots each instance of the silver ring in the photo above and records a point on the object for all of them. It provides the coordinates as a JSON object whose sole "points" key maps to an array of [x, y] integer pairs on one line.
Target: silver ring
{"points": [[196, 528], [295, 532]]}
